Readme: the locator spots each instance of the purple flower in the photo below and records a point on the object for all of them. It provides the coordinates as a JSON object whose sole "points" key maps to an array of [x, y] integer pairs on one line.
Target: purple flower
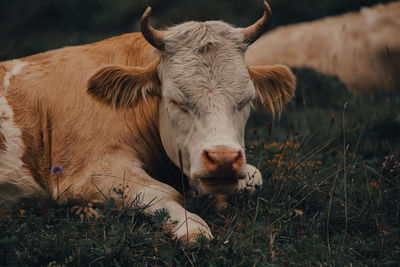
{"points": [[56, 169], [301, 232]]}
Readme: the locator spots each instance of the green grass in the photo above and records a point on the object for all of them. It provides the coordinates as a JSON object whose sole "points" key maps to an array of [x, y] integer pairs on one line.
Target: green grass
{"points": [[331, 196]]}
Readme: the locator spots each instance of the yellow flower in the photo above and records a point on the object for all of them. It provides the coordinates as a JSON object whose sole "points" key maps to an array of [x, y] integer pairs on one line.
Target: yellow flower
{"points": [[374, 184], [288, 143], [167, 228], [298, 212], [266, 146]]}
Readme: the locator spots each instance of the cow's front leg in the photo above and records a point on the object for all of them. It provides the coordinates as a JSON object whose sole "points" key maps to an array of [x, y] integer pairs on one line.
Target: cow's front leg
{"points": [[187, 226], [152, 195], [253, 178]]}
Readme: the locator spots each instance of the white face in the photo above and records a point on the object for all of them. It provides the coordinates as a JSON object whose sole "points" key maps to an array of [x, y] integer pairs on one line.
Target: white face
{"points": [[206, 100]]}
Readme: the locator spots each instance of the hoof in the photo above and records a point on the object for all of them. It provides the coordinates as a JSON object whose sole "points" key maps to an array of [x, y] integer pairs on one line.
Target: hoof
{"points": [[253, 179], [194, 228]]}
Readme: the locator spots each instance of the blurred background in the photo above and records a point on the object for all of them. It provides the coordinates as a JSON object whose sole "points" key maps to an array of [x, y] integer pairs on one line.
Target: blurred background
{"points": [[30, 27]]}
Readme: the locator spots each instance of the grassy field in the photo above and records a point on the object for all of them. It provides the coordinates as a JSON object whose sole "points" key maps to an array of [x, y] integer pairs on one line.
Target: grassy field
{"points": [[331, 197]]}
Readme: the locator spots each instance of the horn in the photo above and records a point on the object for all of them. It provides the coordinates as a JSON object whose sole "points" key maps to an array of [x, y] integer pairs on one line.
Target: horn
{"points": [[254, 31], [153, 36]]}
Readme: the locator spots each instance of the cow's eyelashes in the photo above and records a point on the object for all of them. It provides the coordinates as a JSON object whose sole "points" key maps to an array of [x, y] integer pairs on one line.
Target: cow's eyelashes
{"points": [[179, 106], [242, 105]]}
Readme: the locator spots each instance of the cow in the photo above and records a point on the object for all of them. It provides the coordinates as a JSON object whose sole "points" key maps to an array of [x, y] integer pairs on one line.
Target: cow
{"points": [[78, 125], [361, 48]]}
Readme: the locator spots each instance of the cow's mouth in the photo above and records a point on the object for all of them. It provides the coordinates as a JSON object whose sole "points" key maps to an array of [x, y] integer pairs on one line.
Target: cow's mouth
{"points": [[220, 181]]}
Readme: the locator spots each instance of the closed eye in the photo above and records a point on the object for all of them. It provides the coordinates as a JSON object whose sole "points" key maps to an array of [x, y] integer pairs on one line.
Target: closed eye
{"points": [[243, 104], [179, 106]]}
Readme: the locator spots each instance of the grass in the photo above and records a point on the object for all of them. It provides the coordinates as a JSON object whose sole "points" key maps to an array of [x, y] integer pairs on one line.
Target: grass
{"points": [[331, 197]]}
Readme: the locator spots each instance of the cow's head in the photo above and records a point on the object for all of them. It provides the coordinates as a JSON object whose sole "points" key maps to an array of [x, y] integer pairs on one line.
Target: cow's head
{"points": [[206, 91]]}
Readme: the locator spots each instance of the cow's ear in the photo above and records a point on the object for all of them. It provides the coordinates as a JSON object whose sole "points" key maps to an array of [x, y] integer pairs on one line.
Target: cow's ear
{"points": [[274, 85], [124, 86]]}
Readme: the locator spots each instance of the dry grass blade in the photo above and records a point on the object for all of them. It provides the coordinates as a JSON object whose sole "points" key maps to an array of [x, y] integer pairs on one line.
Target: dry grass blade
{"points": [[184, 194], [344, 171]]}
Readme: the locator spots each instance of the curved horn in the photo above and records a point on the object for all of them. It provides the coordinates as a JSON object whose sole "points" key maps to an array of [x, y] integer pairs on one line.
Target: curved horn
{"points": [[254, 31], [153, 36]]}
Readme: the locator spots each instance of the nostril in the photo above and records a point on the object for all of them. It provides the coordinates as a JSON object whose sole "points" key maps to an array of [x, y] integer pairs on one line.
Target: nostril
{"points": [[208, 157], [238, 157], [210, 161]]}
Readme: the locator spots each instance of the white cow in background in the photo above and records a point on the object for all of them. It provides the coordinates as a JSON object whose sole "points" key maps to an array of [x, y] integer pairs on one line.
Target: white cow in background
{"points": [[362, 48]]}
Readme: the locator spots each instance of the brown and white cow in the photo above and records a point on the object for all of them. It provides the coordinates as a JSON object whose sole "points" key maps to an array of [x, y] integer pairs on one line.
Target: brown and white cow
{"points": [[361, 48], [116, 113]]}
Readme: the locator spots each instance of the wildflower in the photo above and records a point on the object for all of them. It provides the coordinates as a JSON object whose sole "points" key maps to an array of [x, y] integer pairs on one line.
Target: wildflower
{"points": [[56, 169], [374, 184], [301, 232], [274, 144], [298, 212], [288, 143], [167, 228]]}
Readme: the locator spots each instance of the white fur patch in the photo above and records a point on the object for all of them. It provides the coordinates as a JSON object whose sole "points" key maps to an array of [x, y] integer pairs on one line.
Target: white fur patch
{"points": [[206, 94], [15, 180], [370, 16], [156, 197], [17, 66], [12, 135]]}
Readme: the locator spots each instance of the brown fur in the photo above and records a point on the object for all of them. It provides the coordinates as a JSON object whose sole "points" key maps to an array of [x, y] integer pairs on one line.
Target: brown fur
{"points": [[61, 124], [2, 142], [124, 87], [275, 86]]}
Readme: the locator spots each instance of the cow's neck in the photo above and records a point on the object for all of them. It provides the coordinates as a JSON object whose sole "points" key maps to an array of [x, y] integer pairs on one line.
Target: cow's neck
{"points": [[148, 145]]}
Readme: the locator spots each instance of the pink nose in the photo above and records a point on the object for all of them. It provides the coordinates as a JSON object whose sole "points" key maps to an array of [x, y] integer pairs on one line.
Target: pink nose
{"points": [[222, 162]]}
